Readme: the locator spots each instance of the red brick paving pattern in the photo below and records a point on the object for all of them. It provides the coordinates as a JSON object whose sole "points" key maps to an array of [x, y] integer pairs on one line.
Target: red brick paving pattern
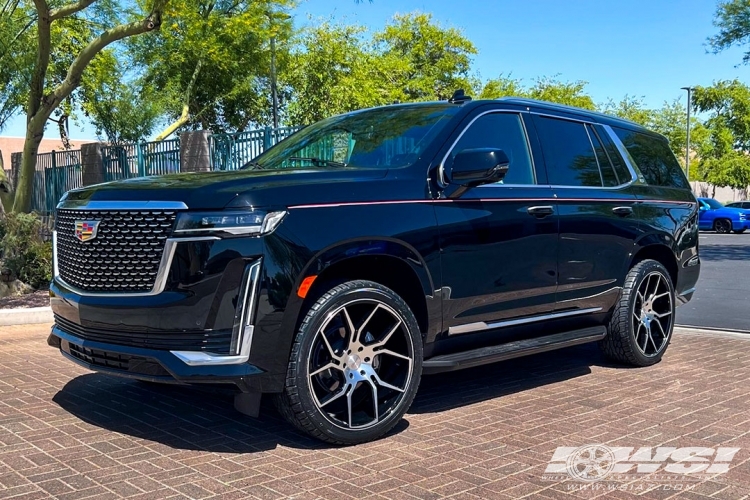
{"points": [[483, 433]]}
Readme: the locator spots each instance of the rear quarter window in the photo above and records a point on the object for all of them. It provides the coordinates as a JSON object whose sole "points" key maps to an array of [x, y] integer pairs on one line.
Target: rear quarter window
{"points": [[654, 159]]}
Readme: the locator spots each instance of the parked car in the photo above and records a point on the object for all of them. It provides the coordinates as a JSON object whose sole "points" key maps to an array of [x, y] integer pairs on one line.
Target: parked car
{"points": [[377, 246], [715, 216], [738, 204]]}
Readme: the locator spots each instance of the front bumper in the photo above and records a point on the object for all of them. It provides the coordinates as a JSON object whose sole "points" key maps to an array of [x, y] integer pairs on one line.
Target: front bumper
{"points": [[146, 364], [740, 225]]}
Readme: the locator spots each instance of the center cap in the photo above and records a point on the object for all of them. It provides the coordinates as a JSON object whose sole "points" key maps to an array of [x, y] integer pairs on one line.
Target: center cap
{"points": [[353, 362]]}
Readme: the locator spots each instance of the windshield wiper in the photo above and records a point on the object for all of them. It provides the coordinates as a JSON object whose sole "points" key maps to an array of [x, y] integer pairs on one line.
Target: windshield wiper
{"points": [[319, 162]]}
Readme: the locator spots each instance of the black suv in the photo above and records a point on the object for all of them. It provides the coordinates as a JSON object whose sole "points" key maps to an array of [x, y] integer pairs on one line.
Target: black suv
{"points": [[376, 246]]}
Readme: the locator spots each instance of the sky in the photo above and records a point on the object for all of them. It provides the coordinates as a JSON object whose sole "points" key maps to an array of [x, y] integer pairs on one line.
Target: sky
{"points": [[642, 48]]}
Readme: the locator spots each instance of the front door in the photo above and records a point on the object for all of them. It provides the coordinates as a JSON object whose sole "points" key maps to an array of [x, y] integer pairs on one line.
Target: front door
{"points": [[498, 241]]}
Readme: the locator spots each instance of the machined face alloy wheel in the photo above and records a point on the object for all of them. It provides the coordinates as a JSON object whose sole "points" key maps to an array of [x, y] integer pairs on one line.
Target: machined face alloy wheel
{"points": [[653, 314], [360, 364]]}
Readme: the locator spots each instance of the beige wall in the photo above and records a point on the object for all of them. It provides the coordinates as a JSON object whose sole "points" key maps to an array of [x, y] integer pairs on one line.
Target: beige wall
{"points": [[10, 145], [723, 195]]}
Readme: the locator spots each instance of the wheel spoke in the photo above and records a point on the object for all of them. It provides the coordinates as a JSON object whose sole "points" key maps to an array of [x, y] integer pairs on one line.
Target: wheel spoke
{"points": [[367, 320], [335, 396], [387, 337], [374, 399], [328, 345], [651, 338], [349, 405], [326, 367], [645, 337], [386, 384], [663, 333], [663, 315], [394, 354], [350, 325], [661, 295]]}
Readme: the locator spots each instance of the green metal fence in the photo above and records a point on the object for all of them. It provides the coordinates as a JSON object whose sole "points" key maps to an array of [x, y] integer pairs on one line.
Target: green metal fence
{"points": [[232, 151], [139, 160], [56, 173]]}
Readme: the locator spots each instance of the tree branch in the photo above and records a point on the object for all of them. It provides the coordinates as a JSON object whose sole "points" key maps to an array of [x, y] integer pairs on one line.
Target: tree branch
{"points": [[73, 77], [71, 8], [185, 115]]}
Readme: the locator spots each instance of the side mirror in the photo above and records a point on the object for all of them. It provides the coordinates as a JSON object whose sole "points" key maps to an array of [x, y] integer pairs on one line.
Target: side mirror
{"points": [[473, 167], [702, 208]]}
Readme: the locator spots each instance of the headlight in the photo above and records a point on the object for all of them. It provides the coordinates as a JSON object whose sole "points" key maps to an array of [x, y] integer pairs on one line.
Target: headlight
{"points": [[234, 222]]}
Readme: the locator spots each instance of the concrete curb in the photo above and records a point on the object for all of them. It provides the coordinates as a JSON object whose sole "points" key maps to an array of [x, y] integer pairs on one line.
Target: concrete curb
{"points": [[25, 316]]}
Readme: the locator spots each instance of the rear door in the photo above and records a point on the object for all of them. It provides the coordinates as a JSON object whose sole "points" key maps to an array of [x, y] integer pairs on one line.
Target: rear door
{"points": [[596, 207]]}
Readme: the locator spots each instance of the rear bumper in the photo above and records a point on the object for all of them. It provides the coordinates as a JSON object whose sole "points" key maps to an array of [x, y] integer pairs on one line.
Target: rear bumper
{"points": [[147, 364]]}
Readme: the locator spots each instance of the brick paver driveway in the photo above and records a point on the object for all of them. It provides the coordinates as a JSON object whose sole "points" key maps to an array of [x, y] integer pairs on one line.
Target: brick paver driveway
{"points": [[483, 433]]}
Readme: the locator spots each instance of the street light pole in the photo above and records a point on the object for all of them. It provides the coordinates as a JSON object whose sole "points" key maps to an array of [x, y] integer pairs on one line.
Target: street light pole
{"points": [[687, 147], [274, 93]]}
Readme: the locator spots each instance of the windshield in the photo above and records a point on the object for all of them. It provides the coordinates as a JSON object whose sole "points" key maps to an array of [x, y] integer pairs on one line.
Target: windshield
{"points": [[712, 203], [388, 137]]}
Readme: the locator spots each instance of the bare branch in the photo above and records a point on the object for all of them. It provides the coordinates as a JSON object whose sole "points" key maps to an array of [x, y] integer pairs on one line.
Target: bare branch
{"points": [[71, 8]]}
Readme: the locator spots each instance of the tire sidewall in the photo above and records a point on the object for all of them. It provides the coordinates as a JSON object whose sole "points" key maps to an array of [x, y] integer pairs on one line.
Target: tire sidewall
{"points": [[644, 270], [307, 335]]}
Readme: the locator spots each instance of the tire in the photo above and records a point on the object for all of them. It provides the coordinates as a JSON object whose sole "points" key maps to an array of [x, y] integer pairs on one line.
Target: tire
{"points": [[740, 231], [643, 320], [334, 391], [723, 226]]}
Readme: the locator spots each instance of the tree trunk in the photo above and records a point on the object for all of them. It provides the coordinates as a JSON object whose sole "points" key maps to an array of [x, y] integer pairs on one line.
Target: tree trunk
{"points": [[25, 187], [185, 115]]}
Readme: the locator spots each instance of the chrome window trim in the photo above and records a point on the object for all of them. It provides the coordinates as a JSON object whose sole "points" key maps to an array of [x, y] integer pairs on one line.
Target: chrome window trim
{"points": [[442, 182], [161, 276], [121, 205], [483, 325], [249, 292], [624, 154], [596, 158]]}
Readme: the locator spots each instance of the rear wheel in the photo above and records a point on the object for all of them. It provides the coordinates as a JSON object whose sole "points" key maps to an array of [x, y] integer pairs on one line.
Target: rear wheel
{"points": [[723, 226], [355, 365], [641, 326]]}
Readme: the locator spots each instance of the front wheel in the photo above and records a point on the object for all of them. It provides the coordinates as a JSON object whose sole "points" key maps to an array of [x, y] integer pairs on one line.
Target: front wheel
{"points": [[355, 364], [723, 226], [643, 320]]}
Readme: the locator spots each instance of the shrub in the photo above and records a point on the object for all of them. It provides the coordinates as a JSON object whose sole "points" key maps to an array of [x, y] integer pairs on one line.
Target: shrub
{"points": [[23, 251]]}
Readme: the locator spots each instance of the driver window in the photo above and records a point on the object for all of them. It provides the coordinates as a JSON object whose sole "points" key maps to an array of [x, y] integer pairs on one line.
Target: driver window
{"points": [[501, 131]]}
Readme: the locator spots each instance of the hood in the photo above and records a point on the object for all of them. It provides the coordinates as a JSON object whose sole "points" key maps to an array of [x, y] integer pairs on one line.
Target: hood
{"points": [[216, 190]]}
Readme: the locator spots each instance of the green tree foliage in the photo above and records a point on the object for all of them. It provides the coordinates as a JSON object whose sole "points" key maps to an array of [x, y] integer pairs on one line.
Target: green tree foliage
{"points": [[725, 156], [211, 60], [23, 251], [427, 61], [338, 68], [732, 18], [333, 70], [15, 57], [544, 88]]}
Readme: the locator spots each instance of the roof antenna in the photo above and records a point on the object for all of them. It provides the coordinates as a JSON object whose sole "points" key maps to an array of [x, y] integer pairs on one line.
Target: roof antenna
{"points": [[459, 97]]}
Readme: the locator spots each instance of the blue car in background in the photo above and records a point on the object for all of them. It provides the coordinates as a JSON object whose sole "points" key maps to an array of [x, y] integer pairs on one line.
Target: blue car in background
{"points": [[717, 217]]}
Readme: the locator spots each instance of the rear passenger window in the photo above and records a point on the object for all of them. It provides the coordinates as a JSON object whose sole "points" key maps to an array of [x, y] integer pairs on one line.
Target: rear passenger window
{"points": [[568, 153], [502, 131], [653, 158]]}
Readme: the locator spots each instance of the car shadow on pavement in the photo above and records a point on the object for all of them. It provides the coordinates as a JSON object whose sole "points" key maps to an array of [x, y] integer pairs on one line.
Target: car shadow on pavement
{"points": [[203, 418], [717, 253], [452, 390]]}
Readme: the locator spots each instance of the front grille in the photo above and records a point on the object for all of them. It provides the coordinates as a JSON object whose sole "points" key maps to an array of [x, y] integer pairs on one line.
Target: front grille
{"points": [[123, 257], [215, 341], [116, 361]]}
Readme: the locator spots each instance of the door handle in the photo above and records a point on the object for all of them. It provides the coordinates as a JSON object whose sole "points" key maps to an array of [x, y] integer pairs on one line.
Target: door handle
{"points": [[623, 211], [541, 211]]}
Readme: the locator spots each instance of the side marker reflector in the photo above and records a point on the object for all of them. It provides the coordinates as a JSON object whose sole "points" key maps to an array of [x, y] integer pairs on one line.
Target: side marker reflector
{"points": [[305, 286]]}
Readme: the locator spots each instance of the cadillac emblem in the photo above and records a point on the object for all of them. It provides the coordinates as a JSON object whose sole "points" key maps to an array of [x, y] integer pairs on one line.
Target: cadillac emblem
{"points": [[86, 229]]}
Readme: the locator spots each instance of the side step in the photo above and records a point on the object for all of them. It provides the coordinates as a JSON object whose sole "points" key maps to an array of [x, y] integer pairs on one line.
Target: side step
{"points": [[492, 354]]}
